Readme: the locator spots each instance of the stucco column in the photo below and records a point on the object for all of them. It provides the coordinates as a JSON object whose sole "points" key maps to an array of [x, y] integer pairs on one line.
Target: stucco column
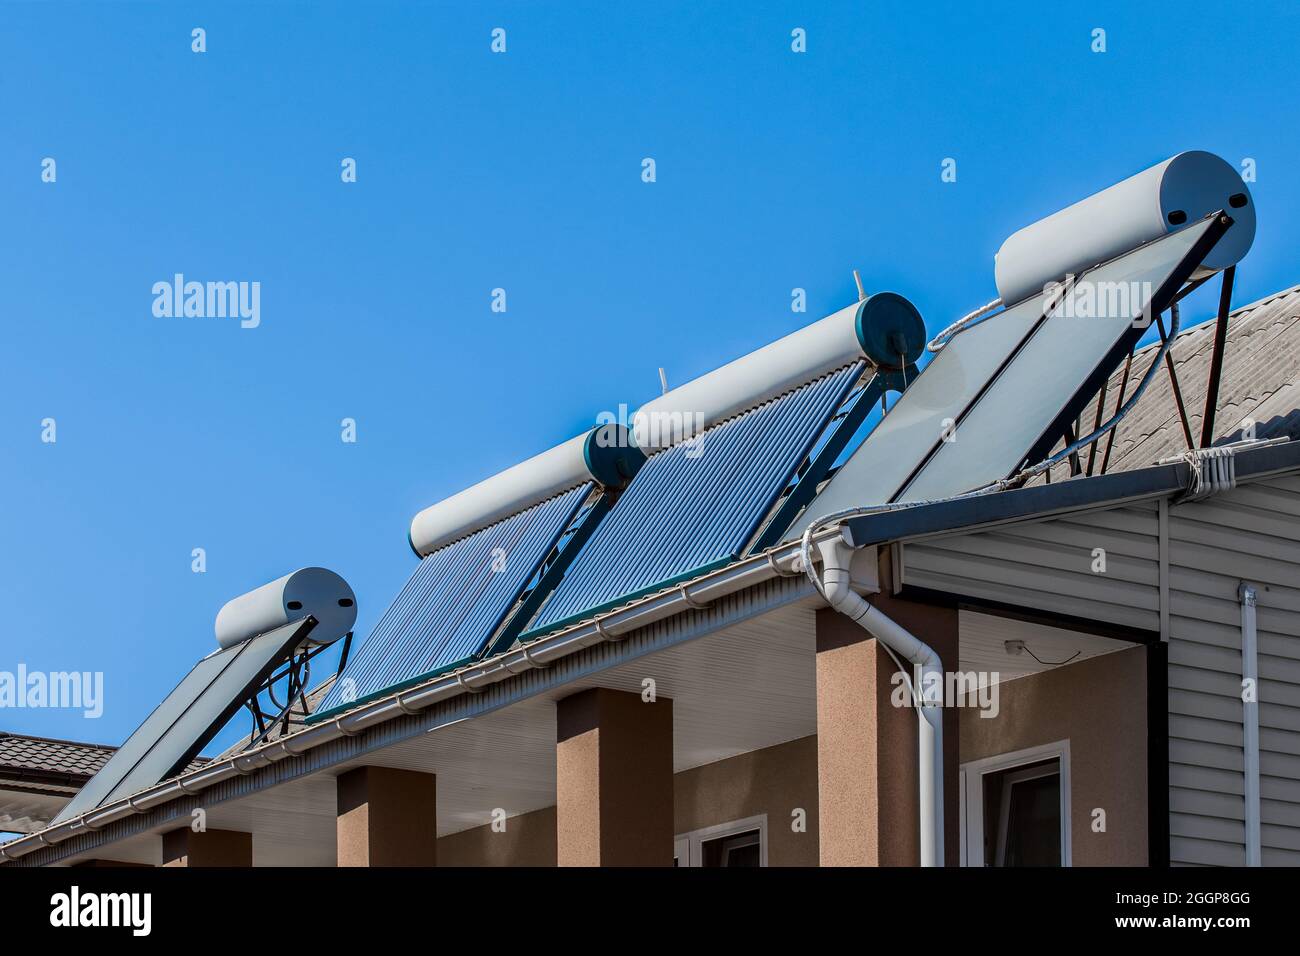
{"points": [[614, 780], [387, 817], [184, 847], [867, 746]]}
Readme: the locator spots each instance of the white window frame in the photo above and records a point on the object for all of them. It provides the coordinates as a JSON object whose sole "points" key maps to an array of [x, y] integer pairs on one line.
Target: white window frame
{"points": [[689, 847], [971, 778]]}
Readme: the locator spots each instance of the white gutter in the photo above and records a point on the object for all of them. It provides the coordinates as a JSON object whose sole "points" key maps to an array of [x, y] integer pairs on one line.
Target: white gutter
{"points": [[781, 561], [836, 553], [1250, 722]]}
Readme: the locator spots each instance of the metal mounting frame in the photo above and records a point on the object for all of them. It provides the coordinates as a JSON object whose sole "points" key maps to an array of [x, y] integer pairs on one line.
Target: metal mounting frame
{"points": [[297, 672], [1212, 387], [1169, 292], [817, 466]]}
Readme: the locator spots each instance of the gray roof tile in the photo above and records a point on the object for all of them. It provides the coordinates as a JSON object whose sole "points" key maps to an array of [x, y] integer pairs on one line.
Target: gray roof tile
{"points": [[1260, 381]]}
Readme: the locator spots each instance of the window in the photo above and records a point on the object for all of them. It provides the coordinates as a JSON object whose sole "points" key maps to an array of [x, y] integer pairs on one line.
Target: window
{"points": [[740, 843], [1016, 808]]}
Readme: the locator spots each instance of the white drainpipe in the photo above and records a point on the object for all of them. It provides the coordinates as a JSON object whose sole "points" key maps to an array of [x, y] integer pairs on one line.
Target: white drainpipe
{"points": [[1250, 722], [836, 554]]}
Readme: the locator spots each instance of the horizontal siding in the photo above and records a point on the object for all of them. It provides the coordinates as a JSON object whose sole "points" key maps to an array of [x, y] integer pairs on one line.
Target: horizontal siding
{"points": [[1047, 565], [1274, 857], [1202, 851], [1249, 534], [1204, 804], [1252, 534]]}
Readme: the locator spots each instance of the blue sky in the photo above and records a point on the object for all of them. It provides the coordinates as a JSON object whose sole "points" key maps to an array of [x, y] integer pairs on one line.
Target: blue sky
{"points": [[775, 170]]}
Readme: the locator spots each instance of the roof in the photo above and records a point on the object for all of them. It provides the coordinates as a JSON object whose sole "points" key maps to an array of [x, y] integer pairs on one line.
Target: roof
{"points": [[1260, 381], [23, 755], [380, 724], [1260, 377], [38, 776], [1043, 500], [63, 763]]}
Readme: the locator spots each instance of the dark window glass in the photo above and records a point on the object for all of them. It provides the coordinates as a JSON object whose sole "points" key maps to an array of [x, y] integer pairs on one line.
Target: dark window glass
{"points": [[739, 849], [1022, 816]]}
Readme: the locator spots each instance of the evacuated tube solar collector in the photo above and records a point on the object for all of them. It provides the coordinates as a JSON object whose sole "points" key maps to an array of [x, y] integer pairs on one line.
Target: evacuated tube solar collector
{"points": [[885, 329], [605, 455]]}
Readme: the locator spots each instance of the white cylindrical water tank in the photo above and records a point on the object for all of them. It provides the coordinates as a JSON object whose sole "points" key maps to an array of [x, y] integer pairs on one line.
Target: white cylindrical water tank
{"points": [[1160, 200], [606, 455], [317, 592], [884, 328]]}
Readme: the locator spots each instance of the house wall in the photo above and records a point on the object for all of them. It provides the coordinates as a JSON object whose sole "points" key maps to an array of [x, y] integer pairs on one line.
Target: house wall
{"points": [[775, 781], [1179, 581], [1250, 534], [528, 840], [1100, 706]]}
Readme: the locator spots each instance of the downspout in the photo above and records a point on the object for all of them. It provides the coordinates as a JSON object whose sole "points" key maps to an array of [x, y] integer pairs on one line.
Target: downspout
{"points": [[836, 554], [1250, 722]]}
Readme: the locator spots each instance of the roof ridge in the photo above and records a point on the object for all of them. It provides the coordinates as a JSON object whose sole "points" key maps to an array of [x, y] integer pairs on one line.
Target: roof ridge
{"points": [[1238, 313], [1265, 300]]}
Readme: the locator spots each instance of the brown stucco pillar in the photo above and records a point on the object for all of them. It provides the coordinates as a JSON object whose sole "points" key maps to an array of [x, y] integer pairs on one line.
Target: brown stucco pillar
{"points": [[867, 746], [614, 780], [387, 817], [184, 847]]}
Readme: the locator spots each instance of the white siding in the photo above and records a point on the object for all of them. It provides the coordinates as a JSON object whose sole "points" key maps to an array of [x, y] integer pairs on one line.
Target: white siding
{"points": [[1250, 534], [1047, 565]]}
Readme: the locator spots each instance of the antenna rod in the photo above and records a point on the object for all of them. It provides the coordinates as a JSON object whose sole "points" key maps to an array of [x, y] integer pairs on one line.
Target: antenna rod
{"points": [[663, 379], [862, 293]]}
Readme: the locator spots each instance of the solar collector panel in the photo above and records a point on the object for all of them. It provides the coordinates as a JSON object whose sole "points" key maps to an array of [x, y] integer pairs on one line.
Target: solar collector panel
{"points": [[1004, 387], [200, 705], [454, 601], [449, 589], [685, 512], [1055, 363]]}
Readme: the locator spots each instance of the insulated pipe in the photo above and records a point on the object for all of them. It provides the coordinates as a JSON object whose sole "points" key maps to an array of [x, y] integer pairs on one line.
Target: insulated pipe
{"points": [[836, 555]]}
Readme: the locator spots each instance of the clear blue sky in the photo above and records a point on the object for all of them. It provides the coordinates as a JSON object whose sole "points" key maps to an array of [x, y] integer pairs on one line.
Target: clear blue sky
{"points": [[475, 171]]}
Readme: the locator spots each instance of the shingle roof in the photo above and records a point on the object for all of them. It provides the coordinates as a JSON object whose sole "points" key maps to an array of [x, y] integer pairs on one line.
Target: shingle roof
{"points": [[23, 757], [1260, 381], [20, 752]]}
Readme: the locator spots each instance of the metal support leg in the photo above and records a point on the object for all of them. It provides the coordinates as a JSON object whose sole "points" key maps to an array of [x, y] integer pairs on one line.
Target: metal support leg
{"points": [[1216, 360]]}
